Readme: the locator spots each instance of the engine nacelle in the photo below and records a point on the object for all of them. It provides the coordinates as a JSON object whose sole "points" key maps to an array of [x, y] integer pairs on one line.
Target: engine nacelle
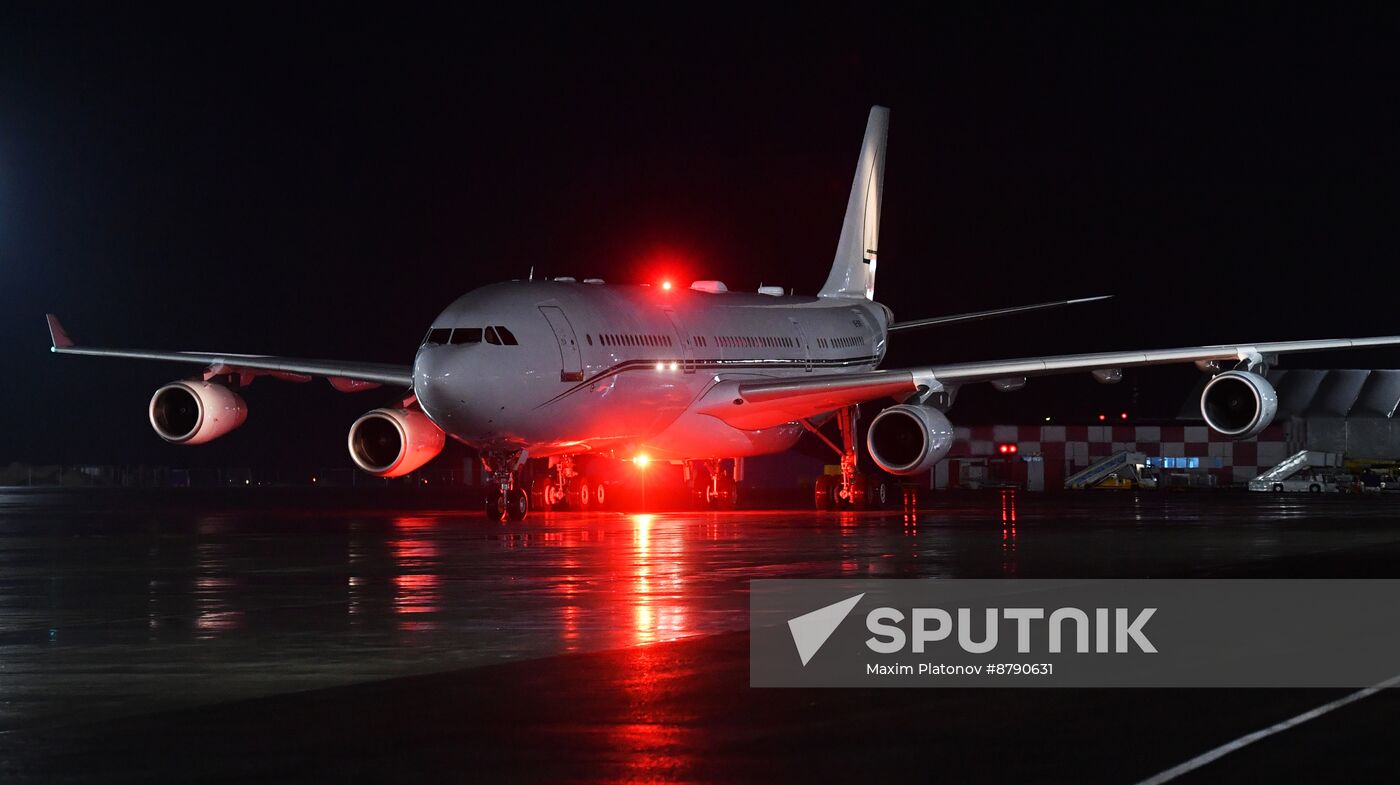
{"points": [[1239, 404], [196, 412], [909, 439], [394, 442]]}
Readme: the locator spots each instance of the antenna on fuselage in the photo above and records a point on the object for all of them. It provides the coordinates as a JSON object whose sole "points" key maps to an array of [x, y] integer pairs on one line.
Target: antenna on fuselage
{"points": [[532, 272]]}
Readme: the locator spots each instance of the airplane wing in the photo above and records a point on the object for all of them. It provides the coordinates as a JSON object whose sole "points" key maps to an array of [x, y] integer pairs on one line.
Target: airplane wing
{"points": [[762, 404], [917, 324], [344, 375]]}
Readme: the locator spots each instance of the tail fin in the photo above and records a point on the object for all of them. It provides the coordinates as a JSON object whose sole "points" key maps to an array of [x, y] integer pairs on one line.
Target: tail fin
{"points": [[853, 269]]}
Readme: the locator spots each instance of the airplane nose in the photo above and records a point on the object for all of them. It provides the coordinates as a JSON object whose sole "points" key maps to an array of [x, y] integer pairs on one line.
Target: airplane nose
{"points": [[437, 383]]}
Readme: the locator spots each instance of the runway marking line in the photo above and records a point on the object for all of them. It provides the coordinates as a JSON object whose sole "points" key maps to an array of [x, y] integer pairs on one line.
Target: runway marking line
{"points": [[1246, 740]]}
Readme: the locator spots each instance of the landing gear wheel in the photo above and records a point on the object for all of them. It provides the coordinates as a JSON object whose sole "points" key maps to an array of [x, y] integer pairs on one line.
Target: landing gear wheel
{"points": [[700, 488], [541, 493], [883, 494], [1314, 488], [553, 497], [859, 492], [600, 495], [1278, 487], [495, 506], [585, 494], [726, 492], [825, 492], [517, 504]]}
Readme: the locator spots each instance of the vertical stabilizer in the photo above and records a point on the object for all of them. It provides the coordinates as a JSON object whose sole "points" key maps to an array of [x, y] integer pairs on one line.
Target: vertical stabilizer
{"points": [[853, 269]]}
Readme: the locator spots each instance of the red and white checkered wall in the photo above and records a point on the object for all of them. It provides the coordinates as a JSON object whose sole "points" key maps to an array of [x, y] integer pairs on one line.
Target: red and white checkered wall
{"points": [[1074, 447]]}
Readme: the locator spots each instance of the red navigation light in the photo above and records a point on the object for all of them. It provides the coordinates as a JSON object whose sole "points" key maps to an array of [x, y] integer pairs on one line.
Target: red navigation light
{"points": [[1006, 449]]}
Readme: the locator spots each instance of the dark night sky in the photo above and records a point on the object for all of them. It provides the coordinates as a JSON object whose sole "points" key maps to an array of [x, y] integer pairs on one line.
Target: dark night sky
{"points": [[318, 183]]}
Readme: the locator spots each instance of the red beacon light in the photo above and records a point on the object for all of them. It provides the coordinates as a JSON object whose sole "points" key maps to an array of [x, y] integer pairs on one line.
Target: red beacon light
{"points": [[1007, 449], [1102, 418], [1123, 416], [666, 286]]}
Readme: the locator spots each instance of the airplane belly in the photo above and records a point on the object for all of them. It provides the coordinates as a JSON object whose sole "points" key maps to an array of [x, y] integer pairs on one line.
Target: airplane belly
{"points": [[696, 436], [616, 412]]}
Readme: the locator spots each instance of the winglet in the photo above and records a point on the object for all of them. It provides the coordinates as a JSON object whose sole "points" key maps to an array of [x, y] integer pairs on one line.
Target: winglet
{"points": [[57, 334]]}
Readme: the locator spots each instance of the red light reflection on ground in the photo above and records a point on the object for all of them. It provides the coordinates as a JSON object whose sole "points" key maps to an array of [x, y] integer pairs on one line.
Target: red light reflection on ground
{"points": [[653, 736], [419, 591], [659, 612], [1008, 532]]}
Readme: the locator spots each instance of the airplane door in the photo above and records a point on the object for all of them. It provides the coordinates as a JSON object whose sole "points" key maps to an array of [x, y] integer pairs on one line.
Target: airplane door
{"points": [[806, 347], [570, 363], [687, 347]]}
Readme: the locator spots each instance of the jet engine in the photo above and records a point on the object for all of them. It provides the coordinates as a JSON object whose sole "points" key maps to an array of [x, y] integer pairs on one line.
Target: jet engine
{"points": [[394, 442], [909, 439], [1239, 404], [196, 412]]}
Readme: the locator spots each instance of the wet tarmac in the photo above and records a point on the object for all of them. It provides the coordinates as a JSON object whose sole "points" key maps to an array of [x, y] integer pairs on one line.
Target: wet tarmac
{"points": [[294, 636]]}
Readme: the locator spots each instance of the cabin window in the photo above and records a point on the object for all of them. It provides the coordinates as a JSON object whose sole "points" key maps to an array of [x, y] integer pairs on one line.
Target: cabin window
{"points": [[507, 337], [438, 336], [590, 339], [466, 335], [491, 336]]}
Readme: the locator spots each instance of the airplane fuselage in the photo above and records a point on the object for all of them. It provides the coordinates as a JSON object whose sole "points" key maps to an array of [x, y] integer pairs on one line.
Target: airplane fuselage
{"points": [[624, 369]]}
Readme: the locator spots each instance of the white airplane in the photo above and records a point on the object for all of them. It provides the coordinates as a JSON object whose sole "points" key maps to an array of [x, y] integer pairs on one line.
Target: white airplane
{"points": [[554, 370]]}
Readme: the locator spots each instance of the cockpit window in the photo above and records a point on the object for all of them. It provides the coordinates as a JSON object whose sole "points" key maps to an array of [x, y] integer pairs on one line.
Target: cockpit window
{"points": [[491, 336], [507, 337], [466, 335], [437, 336]]}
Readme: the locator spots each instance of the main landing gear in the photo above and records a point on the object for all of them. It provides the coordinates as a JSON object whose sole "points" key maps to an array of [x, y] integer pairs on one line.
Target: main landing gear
{"points": [[711, 484], [563, 484], [504, 501], [850, 489]]}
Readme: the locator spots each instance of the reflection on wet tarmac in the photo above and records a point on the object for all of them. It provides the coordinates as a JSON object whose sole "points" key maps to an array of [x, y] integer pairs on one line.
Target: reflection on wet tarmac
{"points": [[109, 608]]}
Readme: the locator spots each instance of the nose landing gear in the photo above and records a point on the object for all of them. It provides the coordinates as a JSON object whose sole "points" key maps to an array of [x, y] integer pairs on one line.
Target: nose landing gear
{"points": [[505, 501]]}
